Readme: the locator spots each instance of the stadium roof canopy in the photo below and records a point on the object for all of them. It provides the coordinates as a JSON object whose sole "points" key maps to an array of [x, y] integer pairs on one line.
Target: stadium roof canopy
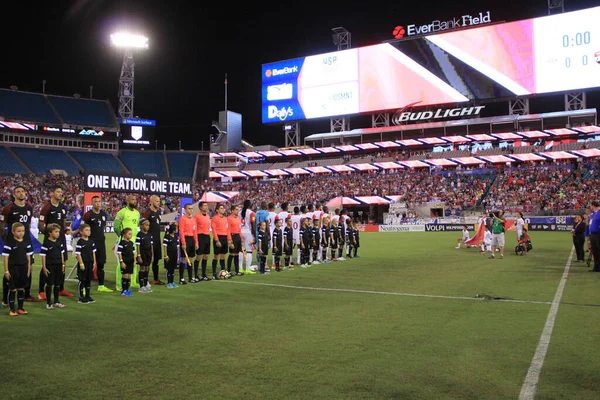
{"points": [[56, 111], [493, 124]]}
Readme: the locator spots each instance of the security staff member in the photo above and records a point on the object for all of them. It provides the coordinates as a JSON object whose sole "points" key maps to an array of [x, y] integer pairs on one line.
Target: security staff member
{"points": [[595, 235], [578, 232]]}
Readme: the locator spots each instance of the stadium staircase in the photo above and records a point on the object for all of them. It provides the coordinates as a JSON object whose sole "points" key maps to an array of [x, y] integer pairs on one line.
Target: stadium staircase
{"points": [[11, 164], [166, 165], [70, 155], [487, 190]]}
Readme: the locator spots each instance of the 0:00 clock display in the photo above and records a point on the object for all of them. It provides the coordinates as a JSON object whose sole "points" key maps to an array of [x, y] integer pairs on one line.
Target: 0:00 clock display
{"points": [[578, 40]]}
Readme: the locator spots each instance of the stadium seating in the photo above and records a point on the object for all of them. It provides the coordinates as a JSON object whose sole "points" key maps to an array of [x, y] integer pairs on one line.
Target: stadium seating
{"points": [[42, 161], [29, 107], [181, 165], [83, 112], [100, 162], [141, 162], [8, 164]]}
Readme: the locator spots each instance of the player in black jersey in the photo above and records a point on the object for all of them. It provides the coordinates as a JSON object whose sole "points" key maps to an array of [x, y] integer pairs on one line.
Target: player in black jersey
{"points": [[153, 214], [17, 211], [17, 266], [96, 218], [288, 242], [54, 212]]}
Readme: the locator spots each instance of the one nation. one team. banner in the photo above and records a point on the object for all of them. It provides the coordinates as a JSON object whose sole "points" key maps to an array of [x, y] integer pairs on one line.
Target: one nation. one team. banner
{"points": [[101, 182]]}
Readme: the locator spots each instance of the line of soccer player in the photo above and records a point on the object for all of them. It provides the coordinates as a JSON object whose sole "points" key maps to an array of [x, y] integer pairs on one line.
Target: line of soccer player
{"points": [[309, 233]]}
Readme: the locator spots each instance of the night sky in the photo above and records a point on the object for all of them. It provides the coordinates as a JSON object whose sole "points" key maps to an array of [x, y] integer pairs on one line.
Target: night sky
{"points": [[179, 81]]}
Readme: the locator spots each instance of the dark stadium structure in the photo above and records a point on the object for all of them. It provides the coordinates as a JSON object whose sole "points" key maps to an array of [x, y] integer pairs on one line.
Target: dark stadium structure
{"points": [[41, 133]]}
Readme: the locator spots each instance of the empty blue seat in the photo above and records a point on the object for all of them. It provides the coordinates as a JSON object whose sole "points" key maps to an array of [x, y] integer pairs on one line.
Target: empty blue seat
{"points": [[100, 162], [42, 161], [85, 112], [8, 163], [142, 162], [181, 165], [29, 107]]}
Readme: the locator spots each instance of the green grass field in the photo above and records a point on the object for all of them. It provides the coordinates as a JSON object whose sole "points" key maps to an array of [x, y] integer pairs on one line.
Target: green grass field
{"points": [[276, 337]]}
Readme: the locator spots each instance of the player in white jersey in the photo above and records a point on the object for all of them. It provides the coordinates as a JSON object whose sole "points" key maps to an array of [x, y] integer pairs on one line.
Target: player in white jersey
{"points": [[486, 243], [272, 217], [464, 238], [248, 218], [283, 214], [296, 218], [35, 231], [520, 225]]}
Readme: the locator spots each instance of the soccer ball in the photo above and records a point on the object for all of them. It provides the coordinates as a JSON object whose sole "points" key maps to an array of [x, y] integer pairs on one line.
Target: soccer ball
{"points": [[224, 274]]}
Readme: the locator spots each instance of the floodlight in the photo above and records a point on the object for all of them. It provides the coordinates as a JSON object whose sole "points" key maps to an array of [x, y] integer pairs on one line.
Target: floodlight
{"points": [[129, 41]]}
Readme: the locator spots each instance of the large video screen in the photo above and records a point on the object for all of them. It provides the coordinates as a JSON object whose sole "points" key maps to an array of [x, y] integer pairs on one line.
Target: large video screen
{"points": [[541, 55]]}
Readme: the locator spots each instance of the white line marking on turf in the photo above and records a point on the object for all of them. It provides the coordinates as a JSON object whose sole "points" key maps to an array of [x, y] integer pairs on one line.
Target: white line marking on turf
{"points": [[535, 369], [431, 296]]}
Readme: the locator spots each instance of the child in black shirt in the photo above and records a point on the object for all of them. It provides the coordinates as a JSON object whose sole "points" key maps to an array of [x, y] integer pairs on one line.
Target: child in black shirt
{"points": [[17, 267], [85, 252], [171, 247], [126, 254], [288, 242], [145, 254], [278, 243], [53, 265], [262, 241], [316, 240], [356, 239], [306, 242]]}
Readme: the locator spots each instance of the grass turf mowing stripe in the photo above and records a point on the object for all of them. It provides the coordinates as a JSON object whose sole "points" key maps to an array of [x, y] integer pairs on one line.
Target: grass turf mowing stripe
{"points": [[431, 296], [535, 369]]}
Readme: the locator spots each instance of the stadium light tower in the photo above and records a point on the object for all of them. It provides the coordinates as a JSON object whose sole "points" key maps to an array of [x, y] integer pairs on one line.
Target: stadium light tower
{"points": [[128, 43]]}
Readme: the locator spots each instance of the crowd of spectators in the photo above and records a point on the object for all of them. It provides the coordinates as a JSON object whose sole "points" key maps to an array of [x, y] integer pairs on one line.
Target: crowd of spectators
{"points": [[528, 187]]}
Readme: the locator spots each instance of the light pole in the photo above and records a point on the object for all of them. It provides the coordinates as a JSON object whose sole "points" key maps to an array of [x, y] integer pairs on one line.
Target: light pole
{"points": [[128, 43]]}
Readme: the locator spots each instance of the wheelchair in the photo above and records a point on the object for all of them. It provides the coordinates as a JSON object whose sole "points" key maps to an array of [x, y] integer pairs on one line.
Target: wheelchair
{"points": [[520, 248]]}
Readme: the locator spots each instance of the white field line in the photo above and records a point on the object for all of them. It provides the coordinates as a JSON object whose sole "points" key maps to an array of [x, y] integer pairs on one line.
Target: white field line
{"points": [[430, 296], [535, 368]]}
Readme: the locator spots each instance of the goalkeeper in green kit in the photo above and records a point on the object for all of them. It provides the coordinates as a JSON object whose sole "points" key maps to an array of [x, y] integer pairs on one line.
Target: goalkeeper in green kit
{"points": [[128, 217]]}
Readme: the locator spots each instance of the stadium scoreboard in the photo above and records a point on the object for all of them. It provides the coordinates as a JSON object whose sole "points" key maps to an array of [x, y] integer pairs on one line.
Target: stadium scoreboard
{"points": [[550, 54], [137, 132]]}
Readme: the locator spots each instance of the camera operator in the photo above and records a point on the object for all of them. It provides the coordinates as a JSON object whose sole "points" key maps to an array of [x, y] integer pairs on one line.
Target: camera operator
{"points": [[498, 233], [578, 233], [595, 235]]}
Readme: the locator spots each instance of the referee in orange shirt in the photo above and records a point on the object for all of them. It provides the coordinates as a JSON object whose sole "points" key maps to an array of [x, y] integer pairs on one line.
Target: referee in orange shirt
{"points": [[189, 241], [221, 239], [235, 229], [203, 249]]}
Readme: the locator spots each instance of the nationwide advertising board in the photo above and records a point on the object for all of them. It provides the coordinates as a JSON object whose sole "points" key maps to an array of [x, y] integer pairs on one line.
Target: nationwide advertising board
{"points": [[542, 55]]}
